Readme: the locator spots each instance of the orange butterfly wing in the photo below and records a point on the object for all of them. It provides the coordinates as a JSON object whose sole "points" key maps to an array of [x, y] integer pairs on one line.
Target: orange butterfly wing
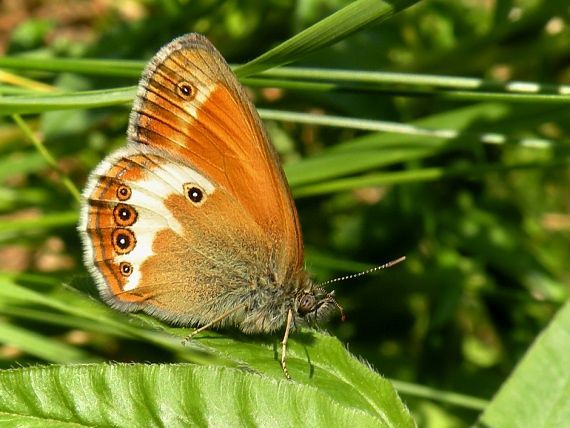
{"points": [[191, 105], [194, 218]]}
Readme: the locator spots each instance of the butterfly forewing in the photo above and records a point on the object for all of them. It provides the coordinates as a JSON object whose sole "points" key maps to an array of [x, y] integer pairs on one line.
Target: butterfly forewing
{"points": [[190, 104]]}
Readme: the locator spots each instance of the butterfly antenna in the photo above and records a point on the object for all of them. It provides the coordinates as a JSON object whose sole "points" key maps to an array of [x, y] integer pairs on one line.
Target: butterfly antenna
{"points": [[366, 272]]}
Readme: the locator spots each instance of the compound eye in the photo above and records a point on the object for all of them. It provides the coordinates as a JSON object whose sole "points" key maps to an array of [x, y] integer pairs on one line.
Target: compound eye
{"points": [[307, 303]]}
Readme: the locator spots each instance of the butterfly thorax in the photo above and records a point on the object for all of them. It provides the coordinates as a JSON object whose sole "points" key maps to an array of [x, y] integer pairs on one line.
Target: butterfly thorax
{"points": [[265, 302], [267, 306]]}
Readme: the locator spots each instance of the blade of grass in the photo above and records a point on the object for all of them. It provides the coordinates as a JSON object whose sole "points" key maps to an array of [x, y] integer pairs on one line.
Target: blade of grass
{"points": [[27, 104], [46, 221], [13, 90], [92, 99], [415, 80], [447, 397], [331, 165], [467, 120], [41, 346], [76, 100], [398, 128], [353, 17], [416, 175], [52, 318], [119, 68], [23, 82], [412, 91], [317, 79], [75, 304]]}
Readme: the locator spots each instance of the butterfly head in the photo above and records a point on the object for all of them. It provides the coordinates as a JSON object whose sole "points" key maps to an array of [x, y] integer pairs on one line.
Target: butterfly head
{"points": [[315, 304]]}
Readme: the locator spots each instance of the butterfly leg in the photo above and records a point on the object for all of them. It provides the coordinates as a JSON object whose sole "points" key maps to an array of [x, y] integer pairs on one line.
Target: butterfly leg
{"points": [[284, 344], [211, 323]]}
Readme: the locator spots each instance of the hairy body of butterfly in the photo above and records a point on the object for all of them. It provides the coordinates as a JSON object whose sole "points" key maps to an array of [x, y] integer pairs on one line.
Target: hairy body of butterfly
{"points": [[193, 221]]}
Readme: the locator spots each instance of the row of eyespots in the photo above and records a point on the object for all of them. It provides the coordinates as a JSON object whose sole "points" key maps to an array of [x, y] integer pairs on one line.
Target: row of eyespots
{"points": [[124, 239]]}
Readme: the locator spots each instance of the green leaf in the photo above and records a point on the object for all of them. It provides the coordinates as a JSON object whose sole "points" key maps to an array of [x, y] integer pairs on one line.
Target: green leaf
{"points": [[171, 395], [536, 394], [314, 359]]}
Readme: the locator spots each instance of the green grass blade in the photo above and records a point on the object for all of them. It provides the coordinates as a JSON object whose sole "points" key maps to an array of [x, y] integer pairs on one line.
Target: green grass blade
{"points": [[356, 16], [51, 318], [334, 165], [448, 397], [400, 128], [41, 346], [119, 68], [46, 221], [76, 304], [416, 175], [387, 78], [77, 100]]}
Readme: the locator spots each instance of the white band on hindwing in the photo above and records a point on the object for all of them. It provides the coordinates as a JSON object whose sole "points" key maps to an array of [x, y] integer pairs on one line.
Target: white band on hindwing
{"points": [[160, 180]]}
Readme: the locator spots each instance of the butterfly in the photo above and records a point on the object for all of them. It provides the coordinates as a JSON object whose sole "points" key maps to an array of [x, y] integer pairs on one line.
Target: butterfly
{"points": [[193, 221]]}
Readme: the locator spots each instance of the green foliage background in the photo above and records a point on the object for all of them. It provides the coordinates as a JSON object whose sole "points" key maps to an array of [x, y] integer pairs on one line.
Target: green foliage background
{"points": [[422, 147]]}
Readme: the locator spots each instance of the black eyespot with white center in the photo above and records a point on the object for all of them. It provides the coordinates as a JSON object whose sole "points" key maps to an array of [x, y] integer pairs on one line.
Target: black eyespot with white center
{"points": [[123, 241], [185, 90], [126, 268], [195, 193], [123, 192], [124, 215]]}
